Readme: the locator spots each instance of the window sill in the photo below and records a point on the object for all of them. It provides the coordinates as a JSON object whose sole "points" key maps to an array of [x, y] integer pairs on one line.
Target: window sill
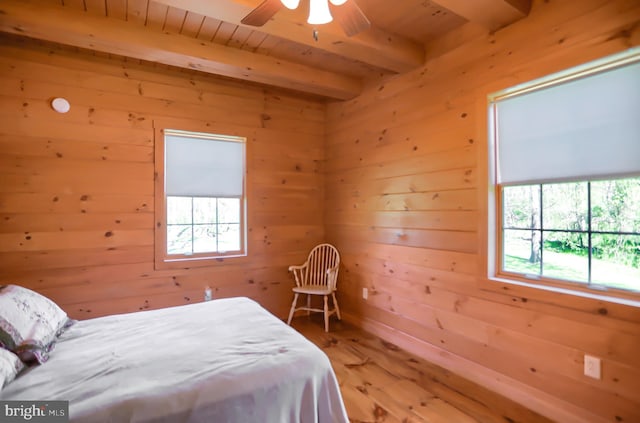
{"points": [[191, 262], [516, 287]]}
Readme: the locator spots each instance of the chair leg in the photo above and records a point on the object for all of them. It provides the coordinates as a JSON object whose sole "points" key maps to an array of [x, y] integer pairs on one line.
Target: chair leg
{"points": [[308, 304], [293, 308], [335, 304], [326, 313]]}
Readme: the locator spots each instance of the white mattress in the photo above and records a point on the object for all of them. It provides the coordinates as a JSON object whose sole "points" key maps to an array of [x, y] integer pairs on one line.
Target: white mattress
{"points": [[227, 360]]}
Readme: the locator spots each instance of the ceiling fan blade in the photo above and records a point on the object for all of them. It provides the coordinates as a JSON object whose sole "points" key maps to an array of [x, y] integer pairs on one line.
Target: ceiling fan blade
{"points": [[261, 14], [350, 17]]}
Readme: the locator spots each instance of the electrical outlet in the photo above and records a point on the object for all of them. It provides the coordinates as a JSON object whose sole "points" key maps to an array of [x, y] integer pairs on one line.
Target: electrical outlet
{"points": [[592, 367], [365, 293], [208, 295]]}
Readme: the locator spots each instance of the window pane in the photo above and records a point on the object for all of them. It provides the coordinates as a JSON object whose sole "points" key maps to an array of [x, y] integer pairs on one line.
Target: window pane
{"points": [[616, 261], [522, 251], [565, 206], [229, 210], [179, 239], [566, 256], [178, 210], [204, 210], [204, 238], [229, 238], [615, 205], [521, 207]]}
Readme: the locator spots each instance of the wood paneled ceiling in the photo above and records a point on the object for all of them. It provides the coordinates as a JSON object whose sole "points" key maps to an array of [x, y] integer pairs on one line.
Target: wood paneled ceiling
{"points": [[207, 36]]}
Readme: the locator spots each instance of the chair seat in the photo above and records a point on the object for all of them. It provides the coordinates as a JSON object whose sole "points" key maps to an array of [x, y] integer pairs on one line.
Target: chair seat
{"points": [[313, 290]]}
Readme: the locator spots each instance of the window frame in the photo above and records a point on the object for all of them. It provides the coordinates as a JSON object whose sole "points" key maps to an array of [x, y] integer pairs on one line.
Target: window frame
{"points": [[162, 259], [491, 232]]}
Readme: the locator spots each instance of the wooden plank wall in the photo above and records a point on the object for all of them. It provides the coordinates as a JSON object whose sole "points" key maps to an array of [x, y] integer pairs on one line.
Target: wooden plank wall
{"points": [[406, 206], [76, 190]]}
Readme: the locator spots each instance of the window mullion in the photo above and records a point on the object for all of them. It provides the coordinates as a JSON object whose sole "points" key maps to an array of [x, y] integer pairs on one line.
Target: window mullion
{"points": [[589, 229], [193, 235], [540, 204], [217, 226]]}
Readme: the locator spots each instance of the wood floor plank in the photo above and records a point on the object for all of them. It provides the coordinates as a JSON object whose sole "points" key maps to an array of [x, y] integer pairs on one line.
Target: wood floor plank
{"points": [[382, 383]]}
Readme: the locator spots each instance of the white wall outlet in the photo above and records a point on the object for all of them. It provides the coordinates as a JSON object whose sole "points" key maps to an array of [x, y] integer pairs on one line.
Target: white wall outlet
{"points": [[208, 295], [365, 293], [592, 367]]}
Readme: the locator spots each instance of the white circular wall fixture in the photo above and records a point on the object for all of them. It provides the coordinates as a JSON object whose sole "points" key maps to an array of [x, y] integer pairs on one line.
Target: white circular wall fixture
{"points": [[60, 105]]}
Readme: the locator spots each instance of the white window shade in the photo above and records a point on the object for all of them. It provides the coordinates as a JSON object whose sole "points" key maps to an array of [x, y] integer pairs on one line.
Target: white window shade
{"points": [[203, 167], [581, 129]]}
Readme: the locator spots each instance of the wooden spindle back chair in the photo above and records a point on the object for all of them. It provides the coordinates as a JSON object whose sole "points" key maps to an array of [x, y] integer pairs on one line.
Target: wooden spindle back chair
{"points": [[317, 276]]}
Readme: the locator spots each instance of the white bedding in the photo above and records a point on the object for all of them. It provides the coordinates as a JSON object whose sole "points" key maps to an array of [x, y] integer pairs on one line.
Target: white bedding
{"points": [[227, 360]]}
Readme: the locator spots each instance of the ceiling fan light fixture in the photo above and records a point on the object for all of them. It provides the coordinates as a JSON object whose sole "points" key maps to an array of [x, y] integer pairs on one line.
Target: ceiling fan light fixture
{"points": [[290, 4], [319, 12], [338, 2]]}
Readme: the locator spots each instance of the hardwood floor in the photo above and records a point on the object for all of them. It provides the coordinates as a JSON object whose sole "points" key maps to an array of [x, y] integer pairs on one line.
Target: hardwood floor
{"points": [[382, 383]]}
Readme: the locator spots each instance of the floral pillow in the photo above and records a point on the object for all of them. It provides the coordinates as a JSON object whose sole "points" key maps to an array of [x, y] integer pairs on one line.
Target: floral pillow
{"points": [[10, 366], [29, 323]]}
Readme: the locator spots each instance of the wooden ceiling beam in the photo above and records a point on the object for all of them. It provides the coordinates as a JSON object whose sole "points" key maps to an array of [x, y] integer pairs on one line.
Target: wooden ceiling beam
{"points": [[79, 29], [491, 14], [373, 46]]}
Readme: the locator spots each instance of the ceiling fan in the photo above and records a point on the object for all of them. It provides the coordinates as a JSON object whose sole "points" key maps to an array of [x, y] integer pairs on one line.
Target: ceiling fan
{"points": [[346, 12]]}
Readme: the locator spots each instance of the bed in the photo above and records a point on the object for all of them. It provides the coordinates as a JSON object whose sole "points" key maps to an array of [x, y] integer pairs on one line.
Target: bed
{"points": [[227, 360]]}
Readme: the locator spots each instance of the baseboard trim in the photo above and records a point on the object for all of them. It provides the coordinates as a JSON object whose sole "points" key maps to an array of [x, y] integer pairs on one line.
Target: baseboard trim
{"points": [[539, 401]]}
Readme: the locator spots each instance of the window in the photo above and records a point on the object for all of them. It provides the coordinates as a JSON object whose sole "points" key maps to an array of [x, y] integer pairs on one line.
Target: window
{"points": [[566, 173], [200, 202]]}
